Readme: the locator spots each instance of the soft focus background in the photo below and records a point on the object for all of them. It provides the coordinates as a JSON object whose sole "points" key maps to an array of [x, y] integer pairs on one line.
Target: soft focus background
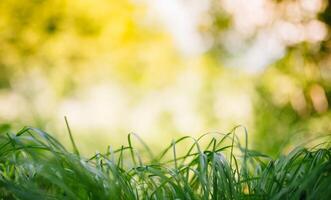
{"points": [[166, 68]]}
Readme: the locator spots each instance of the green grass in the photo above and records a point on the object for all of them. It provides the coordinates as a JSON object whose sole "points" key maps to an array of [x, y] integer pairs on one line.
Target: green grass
{"points": [[34, 165]]}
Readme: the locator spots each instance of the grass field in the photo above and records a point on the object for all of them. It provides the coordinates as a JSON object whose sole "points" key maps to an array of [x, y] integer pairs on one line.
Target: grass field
{"points": [[34, 165]]}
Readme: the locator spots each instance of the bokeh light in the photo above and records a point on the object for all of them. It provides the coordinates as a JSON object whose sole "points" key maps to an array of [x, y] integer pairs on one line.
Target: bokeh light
{"points": [[166, 68]]}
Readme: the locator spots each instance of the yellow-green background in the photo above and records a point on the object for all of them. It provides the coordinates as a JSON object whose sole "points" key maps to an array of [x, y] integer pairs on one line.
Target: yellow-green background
{"points": [[115, 67]]}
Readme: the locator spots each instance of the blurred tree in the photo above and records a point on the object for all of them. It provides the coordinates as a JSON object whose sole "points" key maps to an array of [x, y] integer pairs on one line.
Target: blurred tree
{"points": [[64, 39], [62, 45], [293, 91]]}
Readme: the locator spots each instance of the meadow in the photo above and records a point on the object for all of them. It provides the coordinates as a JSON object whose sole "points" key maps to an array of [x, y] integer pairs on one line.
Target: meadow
{"points": [[34, 165]]}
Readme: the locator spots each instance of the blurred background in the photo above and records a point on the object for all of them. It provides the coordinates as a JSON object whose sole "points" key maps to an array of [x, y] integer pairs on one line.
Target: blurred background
{"points": [[166, 68]]}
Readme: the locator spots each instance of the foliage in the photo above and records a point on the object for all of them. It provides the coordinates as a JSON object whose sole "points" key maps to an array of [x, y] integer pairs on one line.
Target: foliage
{"points": [[34, 165]]}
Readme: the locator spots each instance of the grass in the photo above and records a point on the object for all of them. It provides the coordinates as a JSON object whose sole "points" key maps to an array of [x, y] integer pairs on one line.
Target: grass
{"points": [[34, 165]]}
